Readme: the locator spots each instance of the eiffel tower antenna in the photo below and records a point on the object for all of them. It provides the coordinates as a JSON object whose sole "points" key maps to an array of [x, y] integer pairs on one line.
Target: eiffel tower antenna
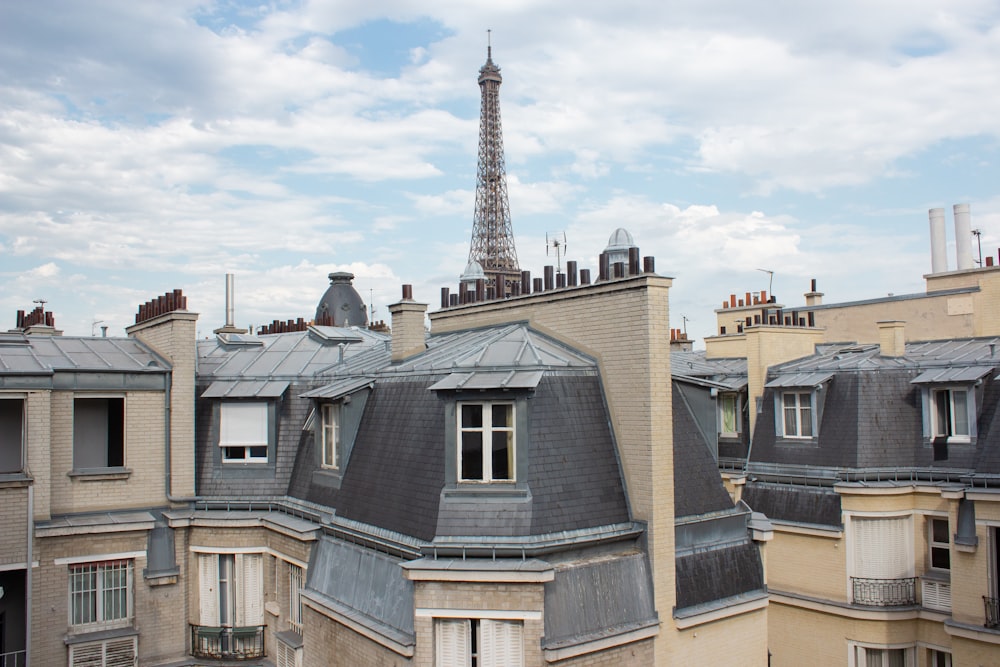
{"points": [[492, 244]]}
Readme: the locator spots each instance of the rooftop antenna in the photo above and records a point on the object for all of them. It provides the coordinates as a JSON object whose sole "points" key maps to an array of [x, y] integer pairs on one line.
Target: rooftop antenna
{"points": [[684, 320], [558, 246], [978, 233], [40, 302], [770, 281], [93, 327], [371, 306]]}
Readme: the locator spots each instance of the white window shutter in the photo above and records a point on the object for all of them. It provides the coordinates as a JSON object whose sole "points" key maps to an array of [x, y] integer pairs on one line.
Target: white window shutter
{"points": [[882, 548], [208, 582], [501, 644], [243, 424], [452, 647], [249, 587]]}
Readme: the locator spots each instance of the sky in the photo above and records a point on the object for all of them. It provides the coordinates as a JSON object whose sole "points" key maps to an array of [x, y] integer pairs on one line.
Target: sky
{"points": [[746, 145]]}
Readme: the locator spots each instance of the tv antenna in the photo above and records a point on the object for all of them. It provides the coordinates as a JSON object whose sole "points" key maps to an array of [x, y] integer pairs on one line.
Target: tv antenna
{"points": [[685, 320], [556, 241], [978, 233], [93, 326], [371, 306], [770, 281], [40, 302]]}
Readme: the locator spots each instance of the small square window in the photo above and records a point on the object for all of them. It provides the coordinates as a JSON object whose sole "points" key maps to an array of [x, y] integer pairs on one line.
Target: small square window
{"points": [[797, 414], [243, 432], [486, 442], [98, 433]]}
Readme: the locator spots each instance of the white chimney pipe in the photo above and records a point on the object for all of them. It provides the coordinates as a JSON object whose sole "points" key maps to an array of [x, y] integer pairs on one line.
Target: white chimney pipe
{"points": [[230, 301], [963, 236], [939, 243]]}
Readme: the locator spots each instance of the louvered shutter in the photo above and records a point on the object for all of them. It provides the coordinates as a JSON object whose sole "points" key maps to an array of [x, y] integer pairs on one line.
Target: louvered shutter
{"points": [[501, 643], [453, 644], [287, 656], [208, 582], [249, 586], [86, 655], [120, 652], [881, 548]]}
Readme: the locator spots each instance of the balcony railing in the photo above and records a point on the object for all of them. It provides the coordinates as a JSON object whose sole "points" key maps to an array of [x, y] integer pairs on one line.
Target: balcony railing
{"points": [[241, 643], [884, 592], [992, 612], [13, 659]]}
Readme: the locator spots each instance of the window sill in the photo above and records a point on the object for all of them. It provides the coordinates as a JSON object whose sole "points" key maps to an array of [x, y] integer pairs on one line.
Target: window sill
{"points": [[500, 490], [13, 480], [793, 441], [100, 474]]}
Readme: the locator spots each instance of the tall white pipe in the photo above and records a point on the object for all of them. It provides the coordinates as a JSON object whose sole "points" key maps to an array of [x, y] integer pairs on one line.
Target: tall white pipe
{"points": [[963, 236], [939, 244], [230, 301]]}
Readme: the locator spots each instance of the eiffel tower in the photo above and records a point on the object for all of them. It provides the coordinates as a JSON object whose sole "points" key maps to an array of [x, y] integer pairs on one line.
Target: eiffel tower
{"points": [[492, 236]]}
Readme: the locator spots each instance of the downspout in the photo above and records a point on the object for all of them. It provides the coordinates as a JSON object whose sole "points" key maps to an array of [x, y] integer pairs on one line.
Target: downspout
{"points": [[27, 574], [168, 393]]}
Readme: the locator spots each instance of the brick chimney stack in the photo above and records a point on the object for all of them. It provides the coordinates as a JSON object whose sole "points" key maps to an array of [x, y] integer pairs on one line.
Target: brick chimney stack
{"points": [[407, 326], [892, 338]]}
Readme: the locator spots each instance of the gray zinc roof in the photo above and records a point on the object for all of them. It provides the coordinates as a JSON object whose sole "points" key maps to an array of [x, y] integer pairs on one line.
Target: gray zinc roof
{"points": [[44, 355], [288, 356]]}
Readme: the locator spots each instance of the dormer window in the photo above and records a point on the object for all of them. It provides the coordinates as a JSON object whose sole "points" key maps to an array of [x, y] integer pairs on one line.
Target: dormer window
{"points": [[798, 404], [486, 441], [730, 417], [243, 432], [949, 399]]}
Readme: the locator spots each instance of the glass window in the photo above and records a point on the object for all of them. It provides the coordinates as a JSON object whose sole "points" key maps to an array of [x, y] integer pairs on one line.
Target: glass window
{"points": [[330, 445], [100, 594], [798, 414], [11, 434], [940, 542], [486, 442], [951, 412], [729, 414]]}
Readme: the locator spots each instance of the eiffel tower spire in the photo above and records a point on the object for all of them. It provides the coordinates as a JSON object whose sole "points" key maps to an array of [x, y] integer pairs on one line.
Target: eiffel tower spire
{"points": [[492, 236]]}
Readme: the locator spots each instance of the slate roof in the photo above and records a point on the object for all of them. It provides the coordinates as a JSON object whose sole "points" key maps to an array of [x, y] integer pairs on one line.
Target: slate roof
{"points": [[728, 373], [698, 488]]}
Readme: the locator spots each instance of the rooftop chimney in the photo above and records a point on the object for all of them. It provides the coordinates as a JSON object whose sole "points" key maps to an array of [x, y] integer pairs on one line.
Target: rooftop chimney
{"points": [[963, 236], [813, 298], [892, 338], [939, 257], [230, 327], [407, 326]]}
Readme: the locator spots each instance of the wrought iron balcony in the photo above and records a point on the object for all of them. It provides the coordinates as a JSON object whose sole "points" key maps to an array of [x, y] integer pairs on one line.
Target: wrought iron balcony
{"points": [[241, 643], [884, 592], [992, 612]]}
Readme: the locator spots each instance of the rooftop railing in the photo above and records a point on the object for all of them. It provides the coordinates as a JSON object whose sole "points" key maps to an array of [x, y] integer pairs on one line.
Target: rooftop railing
{"points": [[240, 643], [992, 606], [884, 592]]}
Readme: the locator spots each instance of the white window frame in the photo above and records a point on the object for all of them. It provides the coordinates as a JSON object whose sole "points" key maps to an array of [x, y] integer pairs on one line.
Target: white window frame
{"points": [[487, 431], [724, 397], [330, 436], [117, 652], [960, 415], [244, 429], [17, 441], [939, 657], [483, 642], [797, 408], [100, 616], [933, 544]]}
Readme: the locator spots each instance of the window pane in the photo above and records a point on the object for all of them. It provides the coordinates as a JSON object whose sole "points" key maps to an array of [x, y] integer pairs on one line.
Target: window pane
{"points": [[896, 657], [503, 455], [791, 425], [501, 416], [258, 452], [805, 416], [728, 403], [234, 453], [939, 530], [942, 413], [472, 455], [472, 416], [11, 434], [960, 399], [940, 558]]}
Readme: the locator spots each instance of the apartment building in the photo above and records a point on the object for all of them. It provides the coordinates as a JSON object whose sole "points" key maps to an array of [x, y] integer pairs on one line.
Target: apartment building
{"points": [[523, 486], [870, 443]]}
